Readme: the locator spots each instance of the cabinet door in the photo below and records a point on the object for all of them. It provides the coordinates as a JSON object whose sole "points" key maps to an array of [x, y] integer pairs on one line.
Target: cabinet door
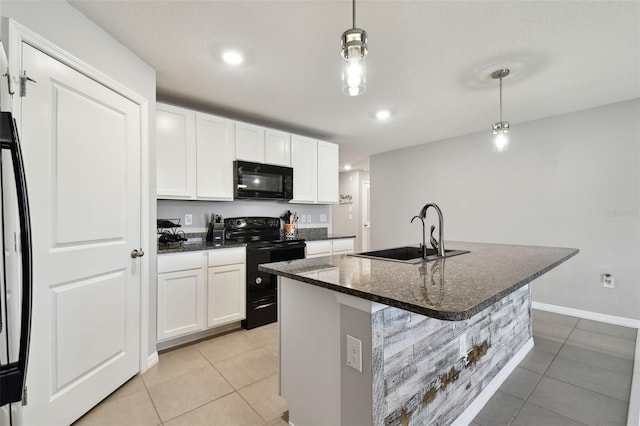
{"points": [[249, 143], [318, 248], [214, 157], [227, 300], [328, 170], [181, 302], [175, 152], [343, 246], [277, 148], [304, 160]]}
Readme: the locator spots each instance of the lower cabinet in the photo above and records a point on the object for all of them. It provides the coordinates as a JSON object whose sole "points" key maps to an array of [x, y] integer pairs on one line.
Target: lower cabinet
{"points": [[226, 289], [182, 289], [329, 247], [199, 290]]}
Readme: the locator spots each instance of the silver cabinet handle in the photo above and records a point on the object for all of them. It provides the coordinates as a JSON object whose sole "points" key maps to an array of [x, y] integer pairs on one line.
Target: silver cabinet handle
{"points": [[137, 253]]}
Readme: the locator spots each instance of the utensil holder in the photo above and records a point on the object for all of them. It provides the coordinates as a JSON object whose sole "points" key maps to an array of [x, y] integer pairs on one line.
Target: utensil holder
{"points": [[290, 231]]}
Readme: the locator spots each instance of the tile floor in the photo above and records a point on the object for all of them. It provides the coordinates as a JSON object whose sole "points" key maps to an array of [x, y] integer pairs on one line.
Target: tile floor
{"points": [[226, 380], [579, 372]]}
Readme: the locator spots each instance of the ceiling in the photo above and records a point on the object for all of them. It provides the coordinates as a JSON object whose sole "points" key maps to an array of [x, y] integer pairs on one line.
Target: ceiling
{"points": [[429, 62]]}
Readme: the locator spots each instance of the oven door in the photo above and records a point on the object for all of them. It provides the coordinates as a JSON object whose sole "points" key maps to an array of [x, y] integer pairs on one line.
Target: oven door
{"points": [[260, 283], [255, 180]]}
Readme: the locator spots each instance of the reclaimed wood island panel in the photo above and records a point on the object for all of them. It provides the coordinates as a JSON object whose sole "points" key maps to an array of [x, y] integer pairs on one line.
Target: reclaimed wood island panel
{"points": [[438, 338]]}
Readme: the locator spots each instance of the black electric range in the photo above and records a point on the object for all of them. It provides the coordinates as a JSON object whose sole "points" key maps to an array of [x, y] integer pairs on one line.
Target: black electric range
{"points": [[264, 245]]}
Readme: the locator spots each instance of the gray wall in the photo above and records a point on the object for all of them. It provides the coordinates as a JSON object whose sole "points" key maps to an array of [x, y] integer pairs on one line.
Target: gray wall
{"points": [[570, 181], [63, 25], [201, 211]]}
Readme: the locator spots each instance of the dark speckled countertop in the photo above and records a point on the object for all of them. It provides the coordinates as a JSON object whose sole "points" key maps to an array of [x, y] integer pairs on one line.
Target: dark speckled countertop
{"points": [[453, 289]]}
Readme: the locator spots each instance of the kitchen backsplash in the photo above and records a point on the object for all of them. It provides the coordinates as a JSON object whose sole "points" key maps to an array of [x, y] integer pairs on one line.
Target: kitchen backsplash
{"points": [[319, 215]]}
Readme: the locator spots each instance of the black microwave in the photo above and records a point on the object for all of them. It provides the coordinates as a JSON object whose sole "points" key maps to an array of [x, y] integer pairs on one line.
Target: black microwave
{"points": [[262, 181]]}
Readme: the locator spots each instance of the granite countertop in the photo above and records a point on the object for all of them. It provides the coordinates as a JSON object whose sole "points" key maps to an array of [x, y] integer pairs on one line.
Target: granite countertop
{"points": [[454, 288], [308, 234]]}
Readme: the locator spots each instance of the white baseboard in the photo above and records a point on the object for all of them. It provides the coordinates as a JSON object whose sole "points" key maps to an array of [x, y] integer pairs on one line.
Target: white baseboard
{"points": [[633, 416], [152, 360], [472, 410], [595, 316]]}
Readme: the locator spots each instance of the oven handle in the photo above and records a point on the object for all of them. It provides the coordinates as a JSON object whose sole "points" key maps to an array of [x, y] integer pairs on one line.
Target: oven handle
{"points": [[266, 305], [279, 246]]}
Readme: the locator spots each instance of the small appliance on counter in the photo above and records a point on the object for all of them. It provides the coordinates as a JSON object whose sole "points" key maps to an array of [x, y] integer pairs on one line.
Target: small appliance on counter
{"points": [[168, 232], [216, 230]]}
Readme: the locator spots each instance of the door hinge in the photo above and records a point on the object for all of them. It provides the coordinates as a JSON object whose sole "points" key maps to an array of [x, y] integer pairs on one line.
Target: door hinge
{"points": [[24, 396], [23, 83]]}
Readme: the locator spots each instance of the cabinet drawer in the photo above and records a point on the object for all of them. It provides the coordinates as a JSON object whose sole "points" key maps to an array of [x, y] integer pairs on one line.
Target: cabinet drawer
{"points": [[343, 245], [180, 262], [230, 256], [321, 248]]}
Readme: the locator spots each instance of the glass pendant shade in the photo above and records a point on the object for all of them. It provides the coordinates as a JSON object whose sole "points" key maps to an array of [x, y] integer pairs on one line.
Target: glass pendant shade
{"points": [[500, 128], [354, 70]]}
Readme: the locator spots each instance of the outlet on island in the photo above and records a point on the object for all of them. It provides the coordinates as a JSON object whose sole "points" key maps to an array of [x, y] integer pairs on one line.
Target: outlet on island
{"points": [[354, 353]]}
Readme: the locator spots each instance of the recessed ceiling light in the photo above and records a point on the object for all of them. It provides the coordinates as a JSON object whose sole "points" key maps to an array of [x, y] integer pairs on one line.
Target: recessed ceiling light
{"points": [[347, 166], [232, 57], [383, 114]]}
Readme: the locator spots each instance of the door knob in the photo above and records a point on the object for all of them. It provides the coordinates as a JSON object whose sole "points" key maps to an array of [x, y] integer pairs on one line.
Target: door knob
{"points": [[137, 253]]}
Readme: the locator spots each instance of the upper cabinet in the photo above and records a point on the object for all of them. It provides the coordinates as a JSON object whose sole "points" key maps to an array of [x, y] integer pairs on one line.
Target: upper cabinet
{"points": [[195, 154], [176, 152], [250, 143], [304, 160], [277, 148], [328, 173], [215, 152]]}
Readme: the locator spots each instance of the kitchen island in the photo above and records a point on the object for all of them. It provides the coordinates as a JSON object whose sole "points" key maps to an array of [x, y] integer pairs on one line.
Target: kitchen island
{"points": [[437, 338]]}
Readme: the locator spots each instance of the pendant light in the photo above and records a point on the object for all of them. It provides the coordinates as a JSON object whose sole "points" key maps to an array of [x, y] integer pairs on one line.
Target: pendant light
{"points": [[500, 128], [354, 50]]}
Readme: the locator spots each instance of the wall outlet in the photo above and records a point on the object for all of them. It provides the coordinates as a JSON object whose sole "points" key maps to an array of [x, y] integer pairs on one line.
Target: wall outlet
{"points": [[354, 353], [308, 218], [323, 218], [302, 218], [607, 281], [188, 219]]}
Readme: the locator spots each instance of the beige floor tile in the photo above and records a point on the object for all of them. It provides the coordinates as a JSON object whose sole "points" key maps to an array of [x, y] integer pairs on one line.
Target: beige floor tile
{"points": [[192, 390], [263, 397], [174, 364], [134, 409], [277, 422], [248, 368], [230, 410], [265, 335], [224, 347], [135, 384]]}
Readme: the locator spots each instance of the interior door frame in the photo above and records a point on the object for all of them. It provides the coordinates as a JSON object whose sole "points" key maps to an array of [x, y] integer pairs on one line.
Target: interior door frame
{"points": [[363, 213], [13, 36]]}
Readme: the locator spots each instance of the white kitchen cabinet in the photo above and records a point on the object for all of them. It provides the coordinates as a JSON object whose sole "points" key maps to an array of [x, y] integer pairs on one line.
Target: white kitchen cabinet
{"points": [[304, 160], [328, 172], [318, 248], [329, 247], [226, 298], [182, 286], [215, 151], [343, 246], [175, 152], [277, 148], [250, 143]]}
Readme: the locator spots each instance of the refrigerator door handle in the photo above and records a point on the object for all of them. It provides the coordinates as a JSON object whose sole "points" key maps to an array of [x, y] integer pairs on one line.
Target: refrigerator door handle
{"points": [[13, 375]]}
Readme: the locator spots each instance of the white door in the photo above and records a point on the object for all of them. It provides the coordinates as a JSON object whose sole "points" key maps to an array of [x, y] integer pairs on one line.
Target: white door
{"points": [[328, 172], [81, 144], [249, 143], [215, 151], [304, 160], [366, 221], [226, 295]]}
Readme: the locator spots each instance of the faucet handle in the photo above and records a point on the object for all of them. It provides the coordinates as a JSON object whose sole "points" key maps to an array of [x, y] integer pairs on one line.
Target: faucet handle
{"points": [[434, 243]]}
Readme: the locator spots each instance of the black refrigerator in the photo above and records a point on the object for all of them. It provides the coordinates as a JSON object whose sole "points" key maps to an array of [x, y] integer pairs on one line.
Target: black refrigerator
{"points": [[15, 273]]}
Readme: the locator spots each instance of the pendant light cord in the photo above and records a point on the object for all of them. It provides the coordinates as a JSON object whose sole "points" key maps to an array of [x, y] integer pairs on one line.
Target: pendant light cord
{"points": [[501, 103], [354, 13]]}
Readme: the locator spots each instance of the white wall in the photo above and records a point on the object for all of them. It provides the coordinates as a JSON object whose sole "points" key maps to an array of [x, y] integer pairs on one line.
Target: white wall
{"points": [[570, 181], [201, 211], [347, 218], [61, 24]]}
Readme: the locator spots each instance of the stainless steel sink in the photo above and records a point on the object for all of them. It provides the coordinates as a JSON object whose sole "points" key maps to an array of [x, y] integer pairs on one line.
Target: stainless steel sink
{"points": [[409, 254]]}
